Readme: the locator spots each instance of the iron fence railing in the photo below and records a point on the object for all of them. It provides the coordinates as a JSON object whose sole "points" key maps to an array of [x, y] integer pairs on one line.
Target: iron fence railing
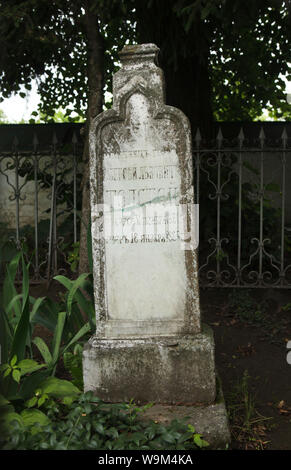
{"points": [[241, 185], [39, 204], [244, 186]]}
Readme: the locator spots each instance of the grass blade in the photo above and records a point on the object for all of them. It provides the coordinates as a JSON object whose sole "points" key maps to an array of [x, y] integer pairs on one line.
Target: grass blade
{"points": [[85, 329], [36, 304], [21, 333], [5, 336], [43, 349], [9, 291], [25, 281], [58, 336], [75, 286]]}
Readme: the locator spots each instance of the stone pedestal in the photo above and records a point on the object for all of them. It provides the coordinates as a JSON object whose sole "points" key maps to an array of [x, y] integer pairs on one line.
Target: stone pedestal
{"points": [[149, 344], [177, 369]]}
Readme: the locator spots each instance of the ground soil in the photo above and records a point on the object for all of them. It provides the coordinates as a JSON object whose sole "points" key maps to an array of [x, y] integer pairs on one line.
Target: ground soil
{"points": [[259, 407], [251, 360]]}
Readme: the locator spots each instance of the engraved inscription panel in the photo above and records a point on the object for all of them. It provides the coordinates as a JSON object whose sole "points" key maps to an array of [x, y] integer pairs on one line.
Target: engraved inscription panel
{"points": [[141, 193]]}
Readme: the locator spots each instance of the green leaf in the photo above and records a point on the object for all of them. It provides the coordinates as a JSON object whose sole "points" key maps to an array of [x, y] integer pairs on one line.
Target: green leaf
{"points": [[27, 366], [168, 437], [16, 375], [13, 360], [75, 286], [21, 332], [86, 307], [68, 400], [7, 419], [43, 349], [59, 388], [5, 335], [9, 291], [14, 303], [200, 442], [65, 281], [58, 336], [191, 428], [36, 305], [33, 416], [4, 401], [42, 399], [47, 316], [99, 428], [31, 403], [85, 329], [25, 281], [7, 371], [31, 382]]}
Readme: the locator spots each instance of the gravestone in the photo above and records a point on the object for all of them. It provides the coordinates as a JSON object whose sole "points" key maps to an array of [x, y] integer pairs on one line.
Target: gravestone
{"points": [[149, 345]]}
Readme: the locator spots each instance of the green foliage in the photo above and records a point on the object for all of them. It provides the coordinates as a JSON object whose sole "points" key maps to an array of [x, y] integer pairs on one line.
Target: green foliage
{"points": [[3, 117], [20, 313], [79, 302], [53, 38], [25, 411], [68, 326], [73, 256], [73, 364], [17, 312], [245, 420], [245, 48], [242, 48], [59, 116], [247, 58], [90, 424], [40, 411]]}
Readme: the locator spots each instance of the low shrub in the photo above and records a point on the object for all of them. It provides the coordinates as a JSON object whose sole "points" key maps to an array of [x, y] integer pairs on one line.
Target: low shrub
{"points": [[90, 424]]}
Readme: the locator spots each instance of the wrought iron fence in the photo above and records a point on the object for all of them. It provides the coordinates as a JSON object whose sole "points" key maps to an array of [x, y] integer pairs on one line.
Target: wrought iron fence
{"points": [[241, 185], [39, 204], [245, 210]]}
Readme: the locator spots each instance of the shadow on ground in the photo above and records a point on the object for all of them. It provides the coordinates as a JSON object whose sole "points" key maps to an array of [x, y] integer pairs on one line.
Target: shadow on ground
{"points": [[251, 329]]}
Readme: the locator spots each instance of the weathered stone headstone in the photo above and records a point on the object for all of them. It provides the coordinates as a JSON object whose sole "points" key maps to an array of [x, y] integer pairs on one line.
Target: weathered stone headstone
{"points": [[149, 343]]}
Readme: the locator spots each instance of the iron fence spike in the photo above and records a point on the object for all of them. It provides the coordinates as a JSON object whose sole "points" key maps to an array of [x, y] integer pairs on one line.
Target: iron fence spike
{"points": [[219, 136], [262, 135], [55, 140], [74, 138], [241, 136], [35, 141], [15, 141], [284, 135], [198, 137]]}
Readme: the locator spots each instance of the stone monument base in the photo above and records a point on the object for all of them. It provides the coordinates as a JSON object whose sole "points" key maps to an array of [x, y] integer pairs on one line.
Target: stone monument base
{"points": [[210, 421], [165, 370], [176, 373]]}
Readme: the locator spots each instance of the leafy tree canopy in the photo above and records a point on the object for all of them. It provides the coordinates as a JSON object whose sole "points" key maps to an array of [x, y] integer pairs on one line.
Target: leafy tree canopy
{"points": [[3, 117], [227, 55], [234, 51], [47, 40]]}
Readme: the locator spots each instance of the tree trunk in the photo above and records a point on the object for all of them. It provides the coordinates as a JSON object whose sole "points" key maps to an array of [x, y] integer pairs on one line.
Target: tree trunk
{"points": [[95, 61], [184, 58]]}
